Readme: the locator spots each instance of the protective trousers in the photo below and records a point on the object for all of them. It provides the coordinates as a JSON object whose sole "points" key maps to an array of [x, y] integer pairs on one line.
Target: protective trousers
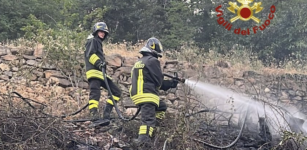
{"points": [[149, 115], [95, 92]]}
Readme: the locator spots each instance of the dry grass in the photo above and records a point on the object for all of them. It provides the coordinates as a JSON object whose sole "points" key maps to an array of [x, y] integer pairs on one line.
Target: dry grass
{"points": [[240, 60], [125, 49]]}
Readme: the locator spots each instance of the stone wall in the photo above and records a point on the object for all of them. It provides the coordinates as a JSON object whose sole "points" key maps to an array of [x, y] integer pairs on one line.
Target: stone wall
{"points": [[24, 70]]}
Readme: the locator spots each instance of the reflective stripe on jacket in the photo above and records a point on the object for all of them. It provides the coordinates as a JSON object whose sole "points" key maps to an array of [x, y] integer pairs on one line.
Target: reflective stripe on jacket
{"points": [[93, 56], [147, 77]]}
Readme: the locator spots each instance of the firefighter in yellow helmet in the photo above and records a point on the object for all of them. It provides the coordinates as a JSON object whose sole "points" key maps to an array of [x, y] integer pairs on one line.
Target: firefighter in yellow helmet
{"points": [[147, 80], [94, 62]]}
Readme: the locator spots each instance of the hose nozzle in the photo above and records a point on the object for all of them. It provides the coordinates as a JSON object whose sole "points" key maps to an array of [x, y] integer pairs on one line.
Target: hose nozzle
{"points": [[175, 77]]}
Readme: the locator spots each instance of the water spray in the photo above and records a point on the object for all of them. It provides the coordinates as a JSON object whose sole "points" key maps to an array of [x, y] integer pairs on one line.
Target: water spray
{"points": [[277, 116]]}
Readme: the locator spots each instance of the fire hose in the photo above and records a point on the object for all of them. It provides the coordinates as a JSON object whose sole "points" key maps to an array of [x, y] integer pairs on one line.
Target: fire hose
{"points": [[233, 142], [28, 100], [175, 77], [114, 103]]}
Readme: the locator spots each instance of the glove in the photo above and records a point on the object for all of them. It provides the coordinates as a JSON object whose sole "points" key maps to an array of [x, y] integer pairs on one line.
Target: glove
{"points": [[174, 83], [102, 65], [167, 84]]}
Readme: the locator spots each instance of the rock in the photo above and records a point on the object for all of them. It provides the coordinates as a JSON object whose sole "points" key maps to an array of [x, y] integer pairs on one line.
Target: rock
{"points": [[15, 69], [38, 51], [15, 51], [8, 73], [174, 62], [31, 62], [267, 90], [53, 73], [38, 73], [4, 67], [171, 97], [131, 111], [129, 61], [58, 81], [114, 60], [291, 92], [4, 77], [300, 93], [64, 83], [298, 98], [4, 51], [125, 71], [48, 66], [83, 85], [9, 57], [22, 61], [27, 57]]}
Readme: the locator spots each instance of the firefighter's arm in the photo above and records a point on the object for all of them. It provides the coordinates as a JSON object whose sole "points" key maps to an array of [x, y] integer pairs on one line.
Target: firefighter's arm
{"points": [[92, 48], [167, 84], [155, 71]]}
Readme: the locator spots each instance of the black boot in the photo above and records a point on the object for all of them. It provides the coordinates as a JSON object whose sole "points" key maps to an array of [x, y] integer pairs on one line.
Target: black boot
{"points": [[94, 115], [105, 120], [107, 111], [106, 115]]}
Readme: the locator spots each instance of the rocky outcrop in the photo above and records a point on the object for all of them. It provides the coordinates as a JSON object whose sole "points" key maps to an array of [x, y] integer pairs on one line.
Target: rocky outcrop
{"points": [[24, 69]]}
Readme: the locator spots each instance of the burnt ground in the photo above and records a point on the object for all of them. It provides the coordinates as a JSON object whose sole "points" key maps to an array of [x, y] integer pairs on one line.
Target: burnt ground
{"points": [[23, 127]]}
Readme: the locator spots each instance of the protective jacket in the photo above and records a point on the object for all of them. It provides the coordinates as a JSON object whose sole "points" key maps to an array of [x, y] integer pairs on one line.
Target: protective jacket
{"points": [[147, 80], [93, 56]]}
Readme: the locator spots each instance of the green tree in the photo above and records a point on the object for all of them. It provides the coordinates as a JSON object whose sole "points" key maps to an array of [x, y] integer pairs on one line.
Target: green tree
{"points": [[179, 28]]}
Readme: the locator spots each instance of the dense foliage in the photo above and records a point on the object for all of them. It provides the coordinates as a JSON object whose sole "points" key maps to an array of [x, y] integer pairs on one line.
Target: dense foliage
{"points": [[175, 22]]}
